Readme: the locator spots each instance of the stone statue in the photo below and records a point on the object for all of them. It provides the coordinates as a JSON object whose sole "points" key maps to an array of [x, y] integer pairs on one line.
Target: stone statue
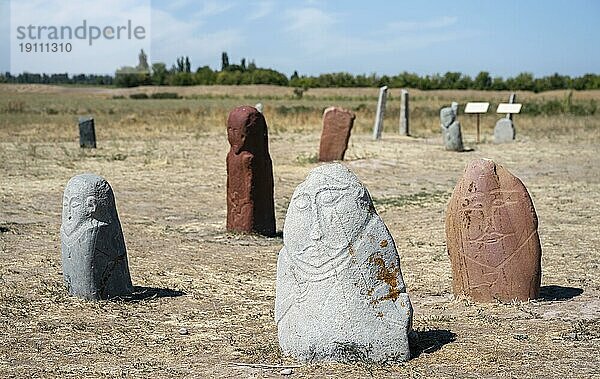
{"points": [[337, 125], [250, 204], [380, 113], [451, 133], [87, 132], [340, 293], [94, 258], [504, 131], [404, 113], [491, 235]]}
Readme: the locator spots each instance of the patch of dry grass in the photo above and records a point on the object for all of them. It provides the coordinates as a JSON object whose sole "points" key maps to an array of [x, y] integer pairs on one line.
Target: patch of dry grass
{"points": [[167, 167]]}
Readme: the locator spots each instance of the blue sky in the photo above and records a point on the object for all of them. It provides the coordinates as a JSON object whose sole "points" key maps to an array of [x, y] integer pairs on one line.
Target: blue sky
{"points": [[385, 37]]}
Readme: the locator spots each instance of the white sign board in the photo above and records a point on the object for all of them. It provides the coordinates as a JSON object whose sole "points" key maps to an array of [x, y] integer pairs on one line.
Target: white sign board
{"points": [[477, 107], [509, 108]]}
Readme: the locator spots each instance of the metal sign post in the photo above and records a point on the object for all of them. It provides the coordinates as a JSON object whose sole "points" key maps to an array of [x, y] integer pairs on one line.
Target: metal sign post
{"points": [[478, 108]]}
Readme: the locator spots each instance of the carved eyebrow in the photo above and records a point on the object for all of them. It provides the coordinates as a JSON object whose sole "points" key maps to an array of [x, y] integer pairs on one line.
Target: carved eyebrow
{"points": [[332, 189], [303, 193]]}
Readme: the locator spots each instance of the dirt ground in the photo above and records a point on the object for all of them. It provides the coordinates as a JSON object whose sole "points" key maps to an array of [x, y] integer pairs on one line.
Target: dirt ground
{"points": [[191, 274]]}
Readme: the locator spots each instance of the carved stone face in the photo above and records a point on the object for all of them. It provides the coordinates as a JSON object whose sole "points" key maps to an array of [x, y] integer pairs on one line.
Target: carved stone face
{"points": [[491, 234], [488, 213], [447, 116], [78, 207], [327, 213], [236, 135], [247, 130]]}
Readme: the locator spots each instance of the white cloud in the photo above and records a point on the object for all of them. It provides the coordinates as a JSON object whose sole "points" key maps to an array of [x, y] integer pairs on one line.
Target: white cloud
{"points": [[175, 5], [262, 9], [308, 20], [310, 28], [321, 42], [416, 26], [173, 37], [211, 8]]}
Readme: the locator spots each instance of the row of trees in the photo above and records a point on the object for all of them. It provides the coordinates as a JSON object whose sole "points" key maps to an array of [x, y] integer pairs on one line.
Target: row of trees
{"points": [[28, 78], [181, 74], [450, 80]]}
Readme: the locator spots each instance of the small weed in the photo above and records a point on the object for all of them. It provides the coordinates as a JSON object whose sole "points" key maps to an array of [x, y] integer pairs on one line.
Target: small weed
{"points": [[420, 199], [117, 157], [487, 318], [299, 92], [305, 159], [584, 330], [436, 318], [15, 106], [353, 353], [520, 337]]}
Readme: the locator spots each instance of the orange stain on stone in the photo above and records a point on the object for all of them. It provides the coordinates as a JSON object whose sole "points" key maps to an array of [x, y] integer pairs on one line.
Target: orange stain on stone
{"points": [[389, 277]]}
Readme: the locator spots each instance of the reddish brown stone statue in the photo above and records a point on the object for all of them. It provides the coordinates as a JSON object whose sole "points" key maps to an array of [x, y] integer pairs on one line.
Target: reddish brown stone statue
{"points": [[250, 207], [492, 238], [337, 124]]}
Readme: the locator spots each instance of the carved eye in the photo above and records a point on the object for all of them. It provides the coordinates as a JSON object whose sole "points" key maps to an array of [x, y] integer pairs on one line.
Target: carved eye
{"points": [[302, 202], [330, 197], [75, 204], [497, 202]]}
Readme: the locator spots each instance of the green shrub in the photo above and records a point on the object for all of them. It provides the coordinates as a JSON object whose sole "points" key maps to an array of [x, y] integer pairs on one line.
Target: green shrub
{"points": [[138, 96], [165, 95], [296, 109], [15, 106]]}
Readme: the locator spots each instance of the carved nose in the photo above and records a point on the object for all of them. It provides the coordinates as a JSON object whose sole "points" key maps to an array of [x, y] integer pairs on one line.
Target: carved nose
{"points": [[489, 225], [315, 232]]}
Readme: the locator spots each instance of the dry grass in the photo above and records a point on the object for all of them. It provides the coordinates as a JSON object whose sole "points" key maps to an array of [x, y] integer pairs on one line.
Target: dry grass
{"points": [[166, 165]]}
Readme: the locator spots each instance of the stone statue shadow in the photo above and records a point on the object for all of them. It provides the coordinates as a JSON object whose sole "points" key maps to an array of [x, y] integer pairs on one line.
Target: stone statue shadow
{"points": [[141, 293], [558, 293], [429, 341]]}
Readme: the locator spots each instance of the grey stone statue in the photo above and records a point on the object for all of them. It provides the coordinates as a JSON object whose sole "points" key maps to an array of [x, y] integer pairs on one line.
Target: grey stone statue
{"points": [[380, 113], [451, 133], [340, 295], [94, 257], [504, 131]]}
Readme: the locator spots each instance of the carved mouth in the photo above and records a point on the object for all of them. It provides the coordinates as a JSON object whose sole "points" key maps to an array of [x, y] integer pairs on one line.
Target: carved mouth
{"points": [[492, 237], [318, 257]]}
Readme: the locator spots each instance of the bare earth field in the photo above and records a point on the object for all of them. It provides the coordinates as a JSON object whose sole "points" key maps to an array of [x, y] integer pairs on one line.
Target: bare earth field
{"points": [[165, 160]]}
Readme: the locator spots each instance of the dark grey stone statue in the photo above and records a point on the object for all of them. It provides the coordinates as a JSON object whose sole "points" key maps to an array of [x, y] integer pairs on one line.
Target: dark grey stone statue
{"points": [[94, 257], [404, 113], [87, 133]]}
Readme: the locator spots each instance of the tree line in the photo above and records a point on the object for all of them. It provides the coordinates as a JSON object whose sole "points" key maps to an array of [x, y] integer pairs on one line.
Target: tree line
{"points": [[181, 74]]}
